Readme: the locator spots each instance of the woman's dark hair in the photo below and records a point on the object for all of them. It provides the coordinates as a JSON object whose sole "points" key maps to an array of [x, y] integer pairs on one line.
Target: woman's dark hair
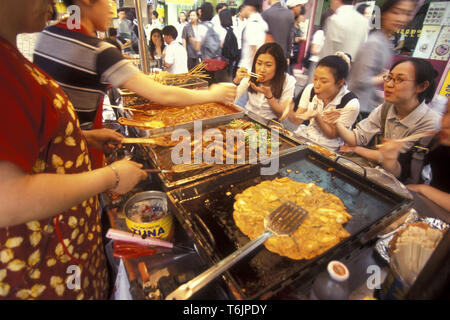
{"points": [[185, 15], [388, 4], [324, 17], [207, 11], [361, 8], [151, 45], [225, 18], [338, 66], [424, 72], [277, 82], [155, 13]]}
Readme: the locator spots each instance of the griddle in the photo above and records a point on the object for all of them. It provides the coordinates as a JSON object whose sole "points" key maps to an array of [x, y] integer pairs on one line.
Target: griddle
{"points": [[205, 210], [161, 156]]}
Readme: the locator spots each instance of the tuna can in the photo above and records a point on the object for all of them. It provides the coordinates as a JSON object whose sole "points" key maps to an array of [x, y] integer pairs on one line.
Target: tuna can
{"points": [[147, 215]]}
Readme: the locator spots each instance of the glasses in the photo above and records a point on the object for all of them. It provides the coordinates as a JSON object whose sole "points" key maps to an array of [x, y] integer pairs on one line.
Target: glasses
{"points": [[388, 78]]}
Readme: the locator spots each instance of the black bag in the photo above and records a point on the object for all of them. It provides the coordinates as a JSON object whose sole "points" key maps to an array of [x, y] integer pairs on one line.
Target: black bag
{"points": [[230, 48]]}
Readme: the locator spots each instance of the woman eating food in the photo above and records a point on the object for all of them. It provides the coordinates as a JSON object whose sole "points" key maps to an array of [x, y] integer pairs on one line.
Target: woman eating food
{"points": [[408, 88], [270, 88], [49, 217], [438, 190], [328, 92]]}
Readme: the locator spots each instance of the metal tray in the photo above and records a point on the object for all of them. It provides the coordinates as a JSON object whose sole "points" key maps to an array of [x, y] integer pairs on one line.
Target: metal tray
{"points": [[205, 210], [161, 157]]}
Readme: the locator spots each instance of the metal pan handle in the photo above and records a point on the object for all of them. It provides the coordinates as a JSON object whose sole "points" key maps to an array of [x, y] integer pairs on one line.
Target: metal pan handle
{"points": [[212, 241], [364, 169]]}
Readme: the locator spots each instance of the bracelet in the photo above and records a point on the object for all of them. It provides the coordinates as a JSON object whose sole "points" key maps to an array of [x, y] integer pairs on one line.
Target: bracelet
{"points": [[269, 98], [117, 177]]}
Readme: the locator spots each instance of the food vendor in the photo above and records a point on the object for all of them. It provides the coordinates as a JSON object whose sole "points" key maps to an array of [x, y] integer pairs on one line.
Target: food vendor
{"points": [[49, 217], [84, 66]]}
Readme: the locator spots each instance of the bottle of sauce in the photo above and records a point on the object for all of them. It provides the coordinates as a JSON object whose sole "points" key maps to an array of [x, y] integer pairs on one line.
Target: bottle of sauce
{"points": [[333, 284]]}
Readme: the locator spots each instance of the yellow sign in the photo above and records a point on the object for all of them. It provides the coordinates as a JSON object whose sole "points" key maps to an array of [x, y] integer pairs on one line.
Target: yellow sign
{"points": [[445, 90], [185, 2]]}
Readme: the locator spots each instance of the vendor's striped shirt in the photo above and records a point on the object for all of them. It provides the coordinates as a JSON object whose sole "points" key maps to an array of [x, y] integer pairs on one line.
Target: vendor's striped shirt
{"points": [[83, 65]]}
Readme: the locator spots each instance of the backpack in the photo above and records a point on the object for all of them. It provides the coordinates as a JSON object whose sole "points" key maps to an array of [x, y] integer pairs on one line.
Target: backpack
{"points": [[211, 46], [345, 99], [230, 46]]}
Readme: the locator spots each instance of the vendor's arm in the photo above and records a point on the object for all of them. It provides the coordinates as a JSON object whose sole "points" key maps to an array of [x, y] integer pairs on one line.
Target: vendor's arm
{"points": [[171, 95], [439, 197], [27, 197]]}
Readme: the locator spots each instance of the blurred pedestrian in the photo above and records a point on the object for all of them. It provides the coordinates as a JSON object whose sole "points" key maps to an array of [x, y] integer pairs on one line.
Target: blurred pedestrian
{"points": [[345, 31], [189, 35], [375, 56], [254, 34]]}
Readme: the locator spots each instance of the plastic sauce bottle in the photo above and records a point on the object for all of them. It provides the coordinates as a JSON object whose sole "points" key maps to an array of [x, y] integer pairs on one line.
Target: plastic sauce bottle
{"points": [[331, 285]]}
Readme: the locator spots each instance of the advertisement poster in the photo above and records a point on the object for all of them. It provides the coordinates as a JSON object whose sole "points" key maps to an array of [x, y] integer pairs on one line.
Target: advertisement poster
{"points": [[438, 14], [445, 89], [441, 50], [427, 40]]}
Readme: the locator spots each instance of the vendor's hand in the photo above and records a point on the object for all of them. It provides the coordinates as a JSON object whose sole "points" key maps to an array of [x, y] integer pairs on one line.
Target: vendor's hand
{"points": [[346, 148], [390, 149], [241, 73], [105, 140], [265, 90], [130, 173], [223, 93], [331, 116]]}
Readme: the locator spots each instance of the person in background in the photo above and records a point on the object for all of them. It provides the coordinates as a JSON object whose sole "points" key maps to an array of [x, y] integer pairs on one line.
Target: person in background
{"points": [[156, 24], [328, 92], [270, 96], [408, 87], [50, 213], [84, 74], [438, 190], [229, 42], [189, 35], [161, 22], [365, 10], [182, 22], [156, 48], [125, 25], [254, 34], [316, 45], [216, 20], [281, 24], [239, 23], [375, 55], [298, 37], [175, 55], [112, 38], [345, 31]]}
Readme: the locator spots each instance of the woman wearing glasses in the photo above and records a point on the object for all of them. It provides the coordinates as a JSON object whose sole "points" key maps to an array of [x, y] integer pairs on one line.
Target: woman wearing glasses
{"points": [[375, 55], [409, 85]]}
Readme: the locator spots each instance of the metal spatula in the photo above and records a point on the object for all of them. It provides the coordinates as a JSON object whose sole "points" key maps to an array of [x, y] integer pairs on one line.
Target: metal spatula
{"points": [[282, 221]]}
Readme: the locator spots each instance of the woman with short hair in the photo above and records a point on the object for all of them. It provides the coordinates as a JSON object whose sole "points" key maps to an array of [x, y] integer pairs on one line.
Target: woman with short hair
{"points": [[327, 93]]}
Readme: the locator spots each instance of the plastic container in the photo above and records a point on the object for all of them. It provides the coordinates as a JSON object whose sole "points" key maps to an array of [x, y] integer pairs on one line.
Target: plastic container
{"points": [[333, 284]]}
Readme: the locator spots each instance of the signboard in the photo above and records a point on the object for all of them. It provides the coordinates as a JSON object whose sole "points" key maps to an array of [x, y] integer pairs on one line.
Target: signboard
{"points": [[427, 40], [445, 89]]}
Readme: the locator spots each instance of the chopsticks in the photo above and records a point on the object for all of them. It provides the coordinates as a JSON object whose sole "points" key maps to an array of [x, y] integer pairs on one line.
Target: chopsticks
{"points": [[413, 137], [254, 75]]}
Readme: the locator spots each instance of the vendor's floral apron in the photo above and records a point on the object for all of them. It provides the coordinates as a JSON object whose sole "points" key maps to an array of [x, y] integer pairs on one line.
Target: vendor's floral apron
{"points": [[36, 263]]}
